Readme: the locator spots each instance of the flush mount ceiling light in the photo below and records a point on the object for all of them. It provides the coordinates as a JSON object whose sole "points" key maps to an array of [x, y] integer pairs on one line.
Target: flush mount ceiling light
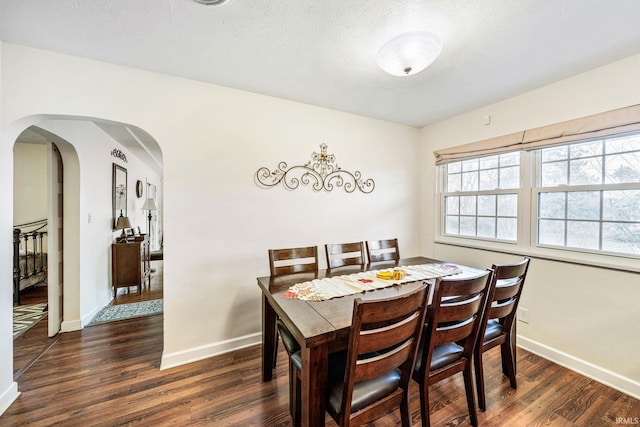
{"points": [[409, 53], [212, 2]]}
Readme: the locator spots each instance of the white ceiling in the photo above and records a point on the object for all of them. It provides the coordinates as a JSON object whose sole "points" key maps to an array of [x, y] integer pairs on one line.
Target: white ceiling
{"points": [[322, 52]]}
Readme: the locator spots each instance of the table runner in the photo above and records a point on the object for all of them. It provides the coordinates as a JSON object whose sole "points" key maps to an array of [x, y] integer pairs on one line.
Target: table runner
{"points": [[339, 286]]}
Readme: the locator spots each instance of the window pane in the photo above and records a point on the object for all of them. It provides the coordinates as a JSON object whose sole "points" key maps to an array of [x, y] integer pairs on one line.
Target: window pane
{"points": [[508, 205], [507, 229], [487, 227], [553, 174], [490, 162], [468, 205], [586, 149], [454, 167], [583, 234], [585, 171], [509, 159], [487, 205], [583, 205], [488, 179], [623, 238], [468, 225], [453, 182], [622, 168], [470, 165], [627, 143], [453, 205], [551, 205], [558, 153], [551, 232], [621, 205], [510, 177], [470, 181], [451, 225]]}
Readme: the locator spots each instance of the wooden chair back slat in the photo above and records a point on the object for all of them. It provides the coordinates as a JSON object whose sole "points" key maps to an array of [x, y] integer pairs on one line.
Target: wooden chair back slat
{"points": [[293, 260], [383, 250], [343, 254], [371, 367]]}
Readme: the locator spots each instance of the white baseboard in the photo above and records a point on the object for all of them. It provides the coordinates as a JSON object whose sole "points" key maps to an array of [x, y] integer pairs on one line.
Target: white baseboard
{"points": [[8, 397], [179, 358], [71, 325], [102, 304], [588, 369]]}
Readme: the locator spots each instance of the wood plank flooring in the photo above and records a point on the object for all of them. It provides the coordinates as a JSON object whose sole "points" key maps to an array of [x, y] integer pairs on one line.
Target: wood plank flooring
{"points": [[108, 375], [29, 346]]}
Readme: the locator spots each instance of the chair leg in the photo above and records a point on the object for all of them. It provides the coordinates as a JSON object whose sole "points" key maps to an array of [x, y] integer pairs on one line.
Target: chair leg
{"points": [[424, 402], [509, 362], [468, 388], [275, 347], [292, 390], [405, 414], [479, 370], [295, 399]]}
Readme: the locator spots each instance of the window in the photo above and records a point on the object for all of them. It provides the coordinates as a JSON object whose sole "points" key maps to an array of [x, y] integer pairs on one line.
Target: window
{"points": [[582, 196], [589, 195], [479, 198]]}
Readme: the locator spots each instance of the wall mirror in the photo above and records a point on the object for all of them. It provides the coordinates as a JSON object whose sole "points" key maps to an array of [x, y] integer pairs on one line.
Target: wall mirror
{"points": [[119, 192]]}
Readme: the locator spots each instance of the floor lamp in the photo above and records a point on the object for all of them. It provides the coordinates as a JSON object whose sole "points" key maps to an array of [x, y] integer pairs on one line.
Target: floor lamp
{"points": [[149, 205]]}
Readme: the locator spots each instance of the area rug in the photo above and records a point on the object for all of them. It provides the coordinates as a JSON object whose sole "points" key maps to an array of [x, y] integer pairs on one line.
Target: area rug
{"points": [[25, 316], [112, 313]]}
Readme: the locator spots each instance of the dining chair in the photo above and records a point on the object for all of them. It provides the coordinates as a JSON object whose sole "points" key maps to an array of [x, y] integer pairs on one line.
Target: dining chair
{"points": [[290, 261], [498, 323], [343, 254], [383, 250], [450, 334], [371, 378]]}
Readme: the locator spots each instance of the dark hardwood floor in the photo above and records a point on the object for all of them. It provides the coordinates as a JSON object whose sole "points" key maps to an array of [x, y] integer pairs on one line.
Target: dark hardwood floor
{"points": [[108, 375], [29, 346]]}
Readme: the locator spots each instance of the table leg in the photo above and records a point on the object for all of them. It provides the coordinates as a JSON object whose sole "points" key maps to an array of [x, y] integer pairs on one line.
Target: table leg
{"points": [[268, 339], [314, 384]]}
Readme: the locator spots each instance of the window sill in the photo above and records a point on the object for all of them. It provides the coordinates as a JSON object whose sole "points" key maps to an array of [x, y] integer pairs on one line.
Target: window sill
{"points": [[610, 262]]}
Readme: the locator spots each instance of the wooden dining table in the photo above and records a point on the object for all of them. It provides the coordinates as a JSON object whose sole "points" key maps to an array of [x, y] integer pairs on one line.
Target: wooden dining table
{"points": [[320, 327]]}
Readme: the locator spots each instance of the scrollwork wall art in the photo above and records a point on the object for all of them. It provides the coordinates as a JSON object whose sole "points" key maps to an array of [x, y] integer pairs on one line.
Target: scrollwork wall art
{"points": [[321, 172]]}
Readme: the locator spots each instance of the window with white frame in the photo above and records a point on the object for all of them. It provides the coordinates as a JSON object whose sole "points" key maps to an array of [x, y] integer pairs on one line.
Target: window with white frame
{"points": [[588, 195], [480, 197], [585, 196]]}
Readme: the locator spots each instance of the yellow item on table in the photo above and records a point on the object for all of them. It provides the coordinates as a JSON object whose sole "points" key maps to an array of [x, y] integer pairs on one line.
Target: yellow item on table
{"points": [[387, 275]]}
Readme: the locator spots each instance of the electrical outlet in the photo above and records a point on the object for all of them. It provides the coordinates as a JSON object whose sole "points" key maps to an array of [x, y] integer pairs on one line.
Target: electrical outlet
{"points": [[523, 315]]}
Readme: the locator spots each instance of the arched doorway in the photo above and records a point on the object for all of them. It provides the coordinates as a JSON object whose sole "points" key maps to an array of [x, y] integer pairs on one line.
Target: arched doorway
{"points": [[85, 145]]}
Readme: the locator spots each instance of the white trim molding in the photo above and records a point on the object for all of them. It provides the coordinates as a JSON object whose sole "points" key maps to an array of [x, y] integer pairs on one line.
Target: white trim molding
{"points": [[588, 369], [179, 358], [8, 397]]}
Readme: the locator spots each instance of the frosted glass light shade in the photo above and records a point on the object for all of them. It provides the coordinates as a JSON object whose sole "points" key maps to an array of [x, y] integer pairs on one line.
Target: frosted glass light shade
{"points": [[409, 53]]}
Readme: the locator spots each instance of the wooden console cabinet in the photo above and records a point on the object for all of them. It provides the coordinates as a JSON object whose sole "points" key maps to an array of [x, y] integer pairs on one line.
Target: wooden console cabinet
{"points": [[130, 264]]}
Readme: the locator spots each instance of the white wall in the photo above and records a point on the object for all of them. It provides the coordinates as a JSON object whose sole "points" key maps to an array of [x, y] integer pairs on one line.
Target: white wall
{"points": [[584, 317], [8, 388], [30, 175], [218, 224]]}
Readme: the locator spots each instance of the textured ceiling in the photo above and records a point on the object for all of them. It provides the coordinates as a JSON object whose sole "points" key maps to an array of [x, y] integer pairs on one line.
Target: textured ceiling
{"points": [[323, 52]]}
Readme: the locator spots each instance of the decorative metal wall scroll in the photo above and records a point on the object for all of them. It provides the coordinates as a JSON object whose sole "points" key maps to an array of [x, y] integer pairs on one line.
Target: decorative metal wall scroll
{"points": [[322, 172], [119, 154]]}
